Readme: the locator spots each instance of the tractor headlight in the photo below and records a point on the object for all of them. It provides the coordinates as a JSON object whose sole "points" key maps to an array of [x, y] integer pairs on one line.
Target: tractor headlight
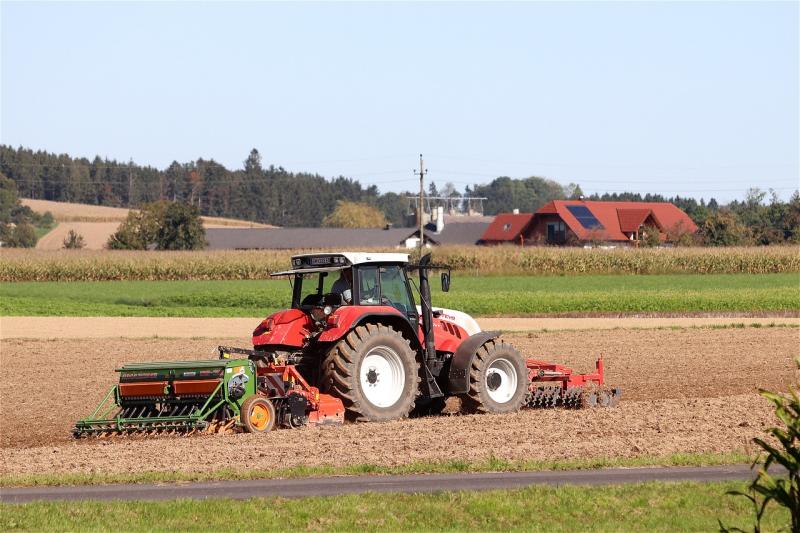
{"points": [[327, 310]]}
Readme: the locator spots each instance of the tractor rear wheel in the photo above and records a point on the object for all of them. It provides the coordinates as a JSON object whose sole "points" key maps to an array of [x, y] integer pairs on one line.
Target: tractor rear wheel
{"points": [[498, 380], [375, 373]]}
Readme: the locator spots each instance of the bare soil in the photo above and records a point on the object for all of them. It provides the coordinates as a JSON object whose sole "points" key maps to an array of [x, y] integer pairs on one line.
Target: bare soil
{"points": [[26, 327], [683, 391], [95, 235]]}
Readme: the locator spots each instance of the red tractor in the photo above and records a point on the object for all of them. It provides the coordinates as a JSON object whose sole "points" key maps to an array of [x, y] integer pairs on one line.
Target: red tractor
{"points": [[355, 332], [353, 343]]}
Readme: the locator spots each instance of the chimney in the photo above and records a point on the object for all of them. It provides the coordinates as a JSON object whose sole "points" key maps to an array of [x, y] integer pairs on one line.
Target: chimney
{"points": [[439, 219], [516, 211]]}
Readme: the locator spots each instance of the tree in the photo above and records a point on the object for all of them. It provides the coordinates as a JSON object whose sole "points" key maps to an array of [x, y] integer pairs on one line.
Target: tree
{"points": [[16, 221], [180, 228], [73, 241], [161, 226], [354, 215], [651, 237], [527, 195], [723, 228], [573, 191]]}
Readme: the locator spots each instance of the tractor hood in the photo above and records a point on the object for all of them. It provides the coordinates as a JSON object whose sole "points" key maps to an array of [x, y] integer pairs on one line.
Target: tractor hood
{"points": [[290, 327]]}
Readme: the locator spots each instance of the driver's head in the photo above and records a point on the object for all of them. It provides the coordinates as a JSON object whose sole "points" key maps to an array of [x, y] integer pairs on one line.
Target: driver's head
{"points": [[347, 274]]}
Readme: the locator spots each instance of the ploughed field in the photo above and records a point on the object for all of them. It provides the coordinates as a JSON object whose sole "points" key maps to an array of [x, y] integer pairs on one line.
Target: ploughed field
{"points": [[689, 390]]}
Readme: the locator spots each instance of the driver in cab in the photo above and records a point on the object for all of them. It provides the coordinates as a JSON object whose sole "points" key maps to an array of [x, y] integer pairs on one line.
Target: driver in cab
{"points": [[344, 285]]}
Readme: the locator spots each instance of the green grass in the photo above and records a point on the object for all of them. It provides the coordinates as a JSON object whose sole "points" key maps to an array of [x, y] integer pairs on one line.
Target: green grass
{"points": [[41, 231], [490, 464], [479, 296], [631, 508]]}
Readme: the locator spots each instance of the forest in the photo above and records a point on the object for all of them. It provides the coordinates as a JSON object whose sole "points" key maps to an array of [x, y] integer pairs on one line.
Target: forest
{"points": [[273, 195]]}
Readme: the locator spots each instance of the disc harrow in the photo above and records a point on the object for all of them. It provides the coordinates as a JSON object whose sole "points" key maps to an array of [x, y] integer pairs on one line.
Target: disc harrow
{"points": [[552, 385]]}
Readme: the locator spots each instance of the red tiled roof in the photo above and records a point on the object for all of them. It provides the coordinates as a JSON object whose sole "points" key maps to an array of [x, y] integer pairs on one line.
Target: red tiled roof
{"points": [[507, 227], [631, 219], [616, 217]]}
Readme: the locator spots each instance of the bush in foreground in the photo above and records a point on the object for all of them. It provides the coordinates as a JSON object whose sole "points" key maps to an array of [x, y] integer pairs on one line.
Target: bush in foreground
{"points": [[783, 449]]}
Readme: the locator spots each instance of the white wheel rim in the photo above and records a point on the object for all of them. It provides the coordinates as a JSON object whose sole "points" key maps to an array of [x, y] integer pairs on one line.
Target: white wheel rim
{"points": [[382, 377], [503, 391]]}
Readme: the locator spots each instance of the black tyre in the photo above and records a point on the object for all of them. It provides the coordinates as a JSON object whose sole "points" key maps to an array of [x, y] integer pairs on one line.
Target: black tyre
{"points": [[498, 380], [375, 373], [257, 415]]}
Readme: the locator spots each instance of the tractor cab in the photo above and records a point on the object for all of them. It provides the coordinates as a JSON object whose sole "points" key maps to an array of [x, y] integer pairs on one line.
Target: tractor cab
{"points": [[322, 283]]}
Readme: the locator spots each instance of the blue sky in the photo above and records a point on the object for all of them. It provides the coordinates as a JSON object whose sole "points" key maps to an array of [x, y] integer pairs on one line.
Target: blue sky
{"points": [[697, 99]]}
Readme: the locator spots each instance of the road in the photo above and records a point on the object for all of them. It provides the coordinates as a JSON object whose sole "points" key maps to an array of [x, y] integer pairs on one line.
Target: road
{"points": [[336, 485]]}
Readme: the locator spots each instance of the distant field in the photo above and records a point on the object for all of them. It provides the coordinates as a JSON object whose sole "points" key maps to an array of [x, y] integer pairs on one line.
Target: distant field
{"points": [[96, 223], [71, 212], [82, 265], [481, 296], [639, 507]]}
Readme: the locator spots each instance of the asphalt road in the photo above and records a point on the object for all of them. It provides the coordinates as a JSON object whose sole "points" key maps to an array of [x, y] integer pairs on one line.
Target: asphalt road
{"points": [[332, 486]]}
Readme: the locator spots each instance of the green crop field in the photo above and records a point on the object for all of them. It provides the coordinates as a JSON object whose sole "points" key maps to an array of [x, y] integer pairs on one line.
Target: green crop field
{"points": [[480, 296], [635, 507]]}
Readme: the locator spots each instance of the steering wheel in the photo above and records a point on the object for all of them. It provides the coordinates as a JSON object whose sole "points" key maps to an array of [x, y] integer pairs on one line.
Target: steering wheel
{"points": [[370, 294]]}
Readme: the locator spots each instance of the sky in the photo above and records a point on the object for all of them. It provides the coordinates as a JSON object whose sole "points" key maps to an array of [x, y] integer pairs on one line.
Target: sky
{"points": [[697, 99]]}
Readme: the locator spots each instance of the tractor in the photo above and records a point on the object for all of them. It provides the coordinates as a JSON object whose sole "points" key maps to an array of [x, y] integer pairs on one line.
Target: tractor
{"points": [[354, 345]]}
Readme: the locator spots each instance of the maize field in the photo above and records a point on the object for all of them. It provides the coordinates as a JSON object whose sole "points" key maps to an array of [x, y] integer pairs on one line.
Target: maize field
{"points": [[81, 265]]}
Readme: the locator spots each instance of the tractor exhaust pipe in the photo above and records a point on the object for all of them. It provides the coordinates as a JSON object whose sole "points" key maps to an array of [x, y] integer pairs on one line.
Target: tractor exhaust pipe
{"points": [[430, 389], [425, 304]]}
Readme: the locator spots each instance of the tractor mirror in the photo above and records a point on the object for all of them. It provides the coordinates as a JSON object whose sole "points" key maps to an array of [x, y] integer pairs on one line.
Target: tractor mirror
{"points": [[445, 281]]}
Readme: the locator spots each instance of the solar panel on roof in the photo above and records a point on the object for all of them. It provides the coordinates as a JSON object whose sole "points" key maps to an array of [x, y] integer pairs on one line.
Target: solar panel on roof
{"points": [[584, 216]]}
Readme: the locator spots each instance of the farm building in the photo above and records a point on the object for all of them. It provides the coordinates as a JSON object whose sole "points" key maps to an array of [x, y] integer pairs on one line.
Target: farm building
{"points": [[455, 233], [577, 222]]}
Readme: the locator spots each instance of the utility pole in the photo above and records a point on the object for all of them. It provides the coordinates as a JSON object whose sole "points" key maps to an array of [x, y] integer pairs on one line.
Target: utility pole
{"points": [[130, 180], [422, 173]]}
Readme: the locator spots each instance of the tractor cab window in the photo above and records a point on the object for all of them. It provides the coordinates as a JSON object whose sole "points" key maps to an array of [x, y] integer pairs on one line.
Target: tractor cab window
{"points": [[316, 287], [368, 289], [393, 289]]}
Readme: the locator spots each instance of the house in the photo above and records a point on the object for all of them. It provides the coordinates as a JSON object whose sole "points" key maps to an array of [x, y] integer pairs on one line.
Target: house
{"points": [[575, 222], [507, 228]]}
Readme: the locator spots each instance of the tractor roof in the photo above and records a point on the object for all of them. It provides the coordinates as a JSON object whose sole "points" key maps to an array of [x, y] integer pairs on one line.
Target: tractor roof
{"points": [[327, 262], [358, 258]]}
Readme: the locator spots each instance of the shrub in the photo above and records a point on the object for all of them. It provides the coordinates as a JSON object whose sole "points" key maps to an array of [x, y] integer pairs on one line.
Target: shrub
{"points": [[783, 449], [354, 215], [160, 225], [73, 241]]}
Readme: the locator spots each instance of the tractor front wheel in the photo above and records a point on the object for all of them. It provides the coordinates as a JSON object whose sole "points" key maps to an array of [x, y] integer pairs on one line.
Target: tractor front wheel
{"points": [[375, 373], [498, 380]]}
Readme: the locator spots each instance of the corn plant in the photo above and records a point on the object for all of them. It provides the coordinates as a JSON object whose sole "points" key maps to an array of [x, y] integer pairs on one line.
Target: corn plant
{"points": [[783, 450]]}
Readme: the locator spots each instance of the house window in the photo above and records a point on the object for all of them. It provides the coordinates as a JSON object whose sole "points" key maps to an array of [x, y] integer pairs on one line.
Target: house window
{"points": [[556, 232]]}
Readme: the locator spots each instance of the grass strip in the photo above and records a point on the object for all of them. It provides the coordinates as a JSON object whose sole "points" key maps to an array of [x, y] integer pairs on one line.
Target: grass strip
{"points": [[480, 296], [490, 464], [655, 506]]}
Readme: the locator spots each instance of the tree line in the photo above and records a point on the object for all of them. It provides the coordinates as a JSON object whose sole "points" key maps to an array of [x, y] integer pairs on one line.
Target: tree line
{"points": [[273, 195]]}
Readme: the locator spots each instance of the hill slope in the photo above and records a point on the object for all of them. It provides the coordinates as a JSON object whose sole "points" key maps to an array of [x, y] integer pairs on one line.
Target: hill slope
{"points": [[96, 223]]}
